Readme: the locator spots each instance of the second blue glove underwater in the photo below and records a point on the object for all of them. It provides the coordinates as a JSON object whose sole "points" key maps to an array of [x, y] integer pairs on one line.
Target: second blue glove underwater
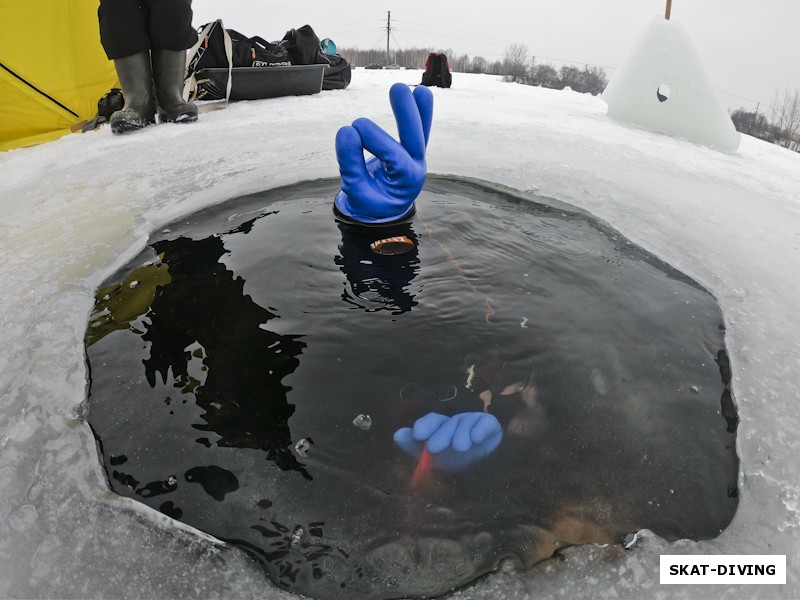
{"points": [[383, 189], [454, 442]]}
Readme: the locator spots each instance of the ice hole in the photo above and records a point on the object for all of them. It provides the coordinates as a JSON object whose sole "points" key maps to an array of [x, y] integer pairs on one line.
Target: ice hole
{"points": [[605, 367]]}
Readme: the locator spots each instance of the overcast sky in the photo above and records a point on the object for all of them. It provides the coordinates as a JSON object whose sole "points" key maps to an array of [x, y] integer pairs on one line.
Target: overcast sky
{"points": [[749, 47]]}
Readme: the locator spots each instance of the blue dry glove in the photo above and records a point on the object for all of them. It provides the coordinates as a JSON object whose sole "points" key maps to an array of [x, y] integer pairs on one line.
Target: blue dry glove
{"points": [[454, 442], [383, 189]]}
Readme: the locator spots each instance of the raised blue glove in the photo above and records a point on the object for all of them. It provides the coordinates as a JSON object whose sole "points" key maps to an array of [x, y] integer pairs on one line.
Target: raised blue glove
{"points": [[454, 442], [383, 189]]}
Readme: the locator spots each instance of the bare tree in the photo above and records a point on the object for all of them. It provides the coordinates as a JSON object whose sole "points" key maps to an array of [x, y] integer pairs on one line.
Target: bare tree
{"points": [[515, 62], [570, 76], [460, 63], [495, 68], [478, 65], [752, 123], [593, 80], [590, 80], [544, 75], [785, 117]]}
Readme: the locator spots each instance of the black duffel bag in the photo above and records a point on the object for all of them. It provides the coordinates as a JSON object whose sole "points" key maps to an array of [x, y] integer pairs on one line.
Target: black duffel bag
{"points": [[337, 77], [220, 48], [304, 48], [224, 64], [210, 51]]}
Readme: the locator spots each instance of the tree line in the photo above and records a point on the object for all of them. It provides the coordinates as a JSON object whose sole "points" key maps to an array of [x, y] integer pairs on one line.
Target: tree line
{"points": [[781, 127], [519, 66], [415, 58], [516, 65]]}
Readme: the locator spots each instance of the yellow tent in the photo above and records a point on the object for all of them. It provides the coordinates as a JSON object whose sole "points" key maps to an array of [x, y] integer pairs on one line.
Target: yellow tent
{"points": [[52, 69]]}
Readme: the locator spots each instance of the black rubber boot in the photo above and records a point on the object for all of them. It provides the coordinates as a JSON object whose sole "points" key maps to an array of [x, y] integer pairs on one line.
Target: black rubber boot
{"points": [[136, 78], [169, 69]]}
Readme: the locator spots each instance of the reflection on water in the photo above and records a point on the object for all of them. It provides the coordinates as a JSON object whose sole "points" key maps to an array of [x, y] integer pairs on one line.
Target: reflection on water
{"points": [[376, 281], [249, 368], [204, 308]]}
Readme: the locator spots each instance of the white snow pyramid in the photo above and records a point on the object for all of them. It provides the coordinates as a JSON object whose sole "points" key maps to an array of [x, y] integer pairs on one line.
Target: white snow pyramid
{"points": [[663, 86]]}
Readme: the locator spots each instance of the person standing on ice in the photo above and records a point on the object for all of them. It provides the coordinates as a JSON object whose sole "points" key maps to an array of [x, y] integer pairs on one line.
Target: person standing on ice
{"points": [[147, 40]]}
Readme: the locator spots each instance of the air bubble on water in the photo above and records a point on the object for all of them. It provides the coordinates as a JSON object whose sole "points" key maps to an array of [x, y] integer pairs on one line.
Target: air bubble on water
{"points": [[695, 389], [134, 284], [599, 382], [303, 446], [297, 535], [363, 422]]}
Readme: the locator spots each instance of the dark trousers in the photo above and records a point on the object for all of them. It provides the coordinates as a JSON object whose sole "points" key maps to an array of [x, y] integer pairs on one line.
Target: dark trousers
{"points": [[132, 26]]}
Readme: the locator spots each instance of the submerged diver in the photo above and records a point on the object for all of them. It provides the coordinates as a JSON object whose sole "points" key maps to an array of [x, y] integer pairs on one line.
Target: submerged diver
{"points": [[462, 420], [379, 192]]}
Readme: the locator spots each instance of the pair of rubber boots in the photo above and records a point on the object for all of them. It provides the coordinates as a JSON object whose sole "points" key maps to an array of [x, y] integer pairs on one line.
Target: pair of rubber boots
{"points": [[152, 81]]}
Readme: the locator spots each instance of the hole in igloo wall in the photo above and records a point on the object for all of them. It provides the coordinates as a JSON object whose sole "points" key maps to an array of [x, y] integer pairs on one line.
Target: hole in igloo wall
{"points": [[663, 92]]}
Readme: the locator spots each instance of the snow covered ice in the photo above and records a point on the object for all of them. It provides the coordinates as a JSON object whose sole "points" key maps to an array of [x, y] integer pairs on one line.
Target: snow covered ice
{"points": [[74, 210]]}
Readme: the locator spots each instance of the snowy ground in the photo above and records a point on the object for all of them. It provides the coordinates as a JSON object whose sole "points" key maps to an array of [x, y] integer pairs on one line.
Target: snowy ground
{"points": [[74, 210]]}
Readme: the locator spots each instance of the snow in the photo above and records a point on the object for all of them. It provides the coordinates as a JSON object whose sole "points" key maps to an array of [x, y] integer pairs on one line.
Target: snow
{"points": [[663, 86], [74, 210]]}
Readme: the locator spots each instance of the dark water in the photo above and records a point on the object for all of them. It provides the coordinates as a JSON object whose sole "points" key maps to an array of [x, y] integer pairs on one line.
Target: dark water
{"points": [[259, 324]]}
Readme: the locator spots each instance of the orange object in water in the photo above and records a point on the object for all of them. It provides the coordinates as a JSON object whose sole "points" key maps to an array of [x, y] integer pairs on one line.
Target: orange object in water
{"points": [[392, 245], [424, 467]]}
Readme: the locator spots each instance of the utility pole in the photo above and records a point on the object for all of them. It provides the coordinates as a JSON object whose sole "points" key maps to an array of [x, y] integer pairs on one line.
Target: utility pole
{"points": [[388, 31], [669, 9]]}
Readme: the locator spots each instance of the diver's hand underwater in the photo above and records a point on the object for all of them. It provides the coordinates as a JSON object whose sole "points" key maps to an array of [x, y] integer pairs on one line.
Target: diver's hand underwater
{"points": [[454, 442], [383, 189]]}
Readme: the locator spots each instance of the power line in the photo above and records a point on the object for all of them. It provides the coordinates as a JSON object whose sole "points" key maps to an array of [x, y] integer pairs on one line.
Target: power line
{"points": [[429, 31], [535, 54], [378, 39], [396, 43], [362, 30], [469, 27], [337, 23]]}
